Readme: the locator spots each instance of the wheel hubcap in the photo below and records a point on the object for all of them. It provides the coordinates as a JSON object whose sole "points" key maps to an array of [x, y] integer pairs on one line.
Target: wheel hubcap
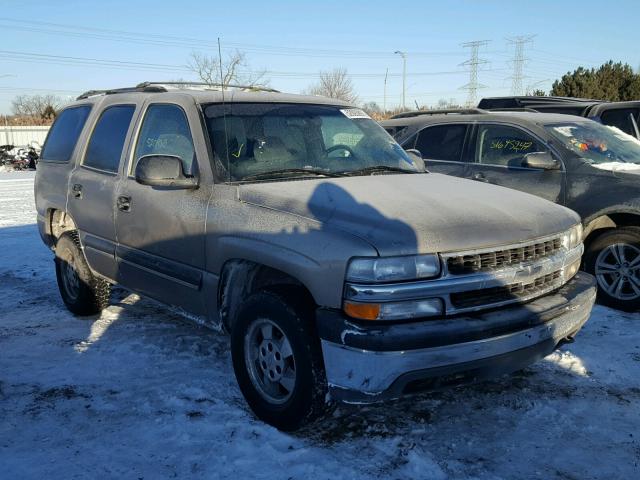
{"points": [[270, 361], [618, 271], [70, 277]]}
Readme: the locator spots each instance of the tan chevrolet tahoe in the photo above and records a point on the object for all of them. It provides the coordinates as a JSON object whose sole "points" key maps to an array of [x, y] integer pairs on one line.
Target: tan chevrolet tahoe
{"points": [[342, 270]]}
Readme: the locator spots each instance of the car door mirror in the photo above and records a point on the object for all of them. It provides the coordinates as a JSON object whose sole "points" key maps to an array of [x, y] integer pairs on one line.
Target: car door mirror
{"points": [[540, 160], [163, 171], [416, 157]]}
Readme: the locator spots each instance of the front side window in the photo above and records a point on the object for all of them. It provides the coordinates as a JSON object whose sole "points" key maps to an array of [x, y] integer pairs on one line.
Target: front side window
{"points": [[271, 140], [108, 137], [504, 145], [64, 134], [442, 142], [165, 131], [596, 143]]}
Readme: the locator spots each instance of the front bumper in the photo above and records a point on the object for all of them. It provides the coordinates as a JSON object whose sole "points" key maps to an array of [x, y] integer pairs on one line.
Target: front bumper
{"points": [[368, 363]]}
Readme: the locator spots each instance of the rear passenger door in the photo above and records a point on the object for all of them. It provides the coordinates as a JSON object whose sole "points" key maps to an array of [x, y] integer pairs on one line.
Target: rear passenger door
{"points": [[93, 183], [161, 242], [499, 151], [442, 148]]}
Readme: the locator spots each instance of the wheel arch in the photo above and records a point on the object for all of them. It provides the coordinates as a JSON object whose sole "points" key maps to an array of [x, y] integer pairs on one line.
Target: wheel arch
{"points": [[240, 278], [611, 220]]}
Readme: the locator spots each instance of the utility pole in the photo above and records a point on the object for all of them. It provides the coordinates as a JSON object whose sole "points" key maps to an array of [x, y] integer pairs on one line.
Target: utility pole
{"points": [[404, 77], [518, 62], [473, 63], [384, 99]]}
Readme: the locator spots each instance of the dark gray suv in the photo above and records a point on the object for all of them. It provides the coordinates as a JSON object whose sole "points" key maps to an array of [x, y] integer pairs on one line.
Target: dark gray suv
{"points": [[589, 167]]}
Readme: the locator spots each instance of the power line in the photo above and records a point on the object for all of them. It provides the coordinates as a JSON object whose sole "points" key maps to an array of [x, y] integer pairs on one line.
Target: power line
{"points": [[473, 64], [195, 43], [518, 62]]}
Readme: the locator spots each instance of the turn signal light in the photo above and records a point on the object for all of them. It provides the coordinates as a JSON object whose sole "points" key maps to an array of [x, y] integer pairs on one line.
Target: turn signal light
{"points": [[363, 311]]}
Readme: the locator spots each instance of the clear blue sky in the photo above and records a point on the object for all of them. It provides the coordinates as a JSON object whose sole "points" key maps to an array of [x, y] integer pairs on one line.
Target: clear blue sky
{"points": [[296, 39]]}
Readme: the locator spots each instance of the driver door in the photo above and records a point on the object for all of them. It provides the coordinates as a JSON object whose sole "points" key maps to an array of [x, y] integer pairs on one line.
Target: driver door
{"points": [[160, 230], [499, 159]]}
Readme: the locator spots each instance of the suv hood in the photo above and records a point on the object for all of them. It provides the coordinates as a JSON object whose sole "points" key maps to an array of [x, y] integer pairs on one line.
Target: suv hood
{"points": [[408, 213]]}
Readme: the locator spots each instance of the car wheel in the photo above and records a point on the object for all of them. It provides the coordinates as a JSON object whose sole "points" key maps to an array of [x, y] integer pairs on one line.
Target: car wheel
{"points": [[614, 258], [81, 291], [277, 361]]}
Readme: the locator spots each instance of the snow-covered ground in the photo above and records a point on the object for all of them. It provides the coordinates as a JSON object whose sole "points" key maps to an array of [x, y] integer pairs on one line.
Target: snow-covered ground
{"points": [[142, 393]]}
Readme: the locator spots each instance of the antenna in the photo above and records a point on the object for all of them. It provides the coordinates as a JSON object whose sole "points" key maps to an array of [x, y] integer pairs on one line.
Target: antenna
{"points": [[473, 63], [224, 114], [518, 62]]}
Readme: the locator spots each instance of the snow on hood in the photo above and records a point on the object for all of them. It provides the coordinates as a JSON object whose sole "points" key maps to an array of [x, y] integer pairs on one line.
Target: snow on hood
{"points": [[405, 214], [618, 167]]}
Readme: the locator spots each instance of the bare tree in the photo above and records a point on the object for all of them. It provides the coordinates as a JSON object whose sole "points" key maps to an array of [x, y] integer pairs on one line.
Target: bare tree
{"points": [[335, 84], [235, 70], [44, 107]]}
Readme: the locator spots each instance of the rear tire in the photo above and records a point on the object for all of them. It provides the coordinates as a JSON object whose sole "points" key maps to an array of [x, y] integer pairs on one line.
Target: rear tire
{"points": [[81, 291], [613, 257], [277, 361]]}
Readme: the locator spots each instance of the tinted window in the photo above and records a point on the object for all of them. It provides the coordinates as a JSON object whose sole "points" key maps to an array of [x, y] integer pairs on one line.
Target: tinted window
{"points": [[443, 142], [64, 134], [107, 141], [503, 145], [621, 118], [165, 131]]}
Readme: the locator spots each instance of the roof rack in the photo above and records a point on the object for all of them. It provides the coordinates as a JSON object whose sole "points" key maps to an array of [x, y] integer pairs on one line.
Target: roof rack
{"points": [[515, 109], [207, 86], [493, 103], [159, 87], [458, 111]]}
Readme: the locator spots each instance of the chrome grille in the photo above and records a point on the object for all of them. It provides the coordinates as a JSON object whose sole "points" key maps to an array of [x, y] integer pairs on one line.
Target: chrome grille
{"points": [[478, 262], [506, 293]]}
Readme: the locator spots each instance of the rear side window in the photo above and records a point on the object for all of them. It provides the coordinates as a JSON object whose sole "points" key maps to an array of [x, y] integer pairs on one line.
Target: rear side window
{"points": [[64, 134], [107, 141], [621, 118], [504, 145], [442, 142], [165, 131]]}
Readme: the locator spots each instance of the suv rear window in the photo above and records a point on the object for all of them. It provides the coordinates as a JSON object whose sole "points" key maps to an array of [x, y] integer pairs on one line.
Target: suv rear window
{"points": [[64, 134], [443, 142], [622, 118], [107, 140]]}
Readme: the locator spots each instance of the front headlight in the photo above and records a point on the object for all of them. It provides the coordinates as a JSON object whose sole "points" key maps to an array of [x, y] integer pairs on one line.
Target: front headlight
{"points": [[572, 237], [393, 269]]}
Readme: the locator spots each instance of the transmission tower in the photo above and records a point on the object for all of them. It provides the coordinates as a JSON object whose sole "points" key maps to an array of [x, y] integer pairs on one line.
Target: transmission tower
{"points": [[473, 64], [518, 62]]}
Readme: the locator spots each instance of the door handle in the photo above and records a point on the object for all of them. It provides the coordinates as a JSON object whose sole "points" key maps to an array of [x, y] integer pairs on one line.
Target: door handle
{"points": [[124, 203], [77, 190], [480, 177]]}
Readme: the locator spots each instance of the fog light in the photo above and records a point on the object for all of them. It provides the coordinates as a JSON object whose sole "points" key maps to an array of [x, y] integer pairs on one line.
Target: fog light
{"points": [[395, 311], [571, 270]]}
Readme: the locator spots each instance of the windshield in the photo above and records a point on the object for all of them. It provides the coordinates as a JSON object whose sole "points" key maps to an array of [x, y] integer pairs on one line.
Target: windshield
{"points": [[597, 143], [267, 140]]}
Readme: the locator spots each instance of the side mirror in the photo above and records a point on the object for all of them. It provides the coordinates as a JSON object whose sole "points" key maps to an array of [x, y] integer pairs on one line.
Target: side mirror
{"points": [[163, 171], [540, 160], [416, 156]]}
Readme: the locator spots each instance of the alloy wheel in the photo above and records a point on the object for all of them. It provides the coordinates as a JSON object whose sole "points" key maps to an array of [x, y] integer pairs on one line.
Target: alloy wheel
{"points": [[617, 270], [270, 361]]}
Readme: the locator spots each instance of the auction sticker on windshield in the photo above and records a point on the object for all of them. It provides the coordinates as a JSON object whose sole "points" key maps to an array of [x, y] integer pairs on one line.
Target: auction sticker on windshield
{"points": [[354, 113]]}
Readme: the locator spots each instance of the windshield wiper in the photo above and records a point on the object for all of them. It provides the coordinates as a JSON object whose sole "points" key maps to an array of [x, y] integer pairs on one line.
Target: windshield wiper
{"points": [[290, 171], [377, 168]]}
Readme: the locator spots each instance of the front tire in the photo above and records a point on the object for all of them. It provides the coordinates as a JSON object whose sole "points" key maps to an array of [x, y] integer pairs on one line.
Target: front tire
{"points": [[277, 361], [613, 257], [81, 291]]}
